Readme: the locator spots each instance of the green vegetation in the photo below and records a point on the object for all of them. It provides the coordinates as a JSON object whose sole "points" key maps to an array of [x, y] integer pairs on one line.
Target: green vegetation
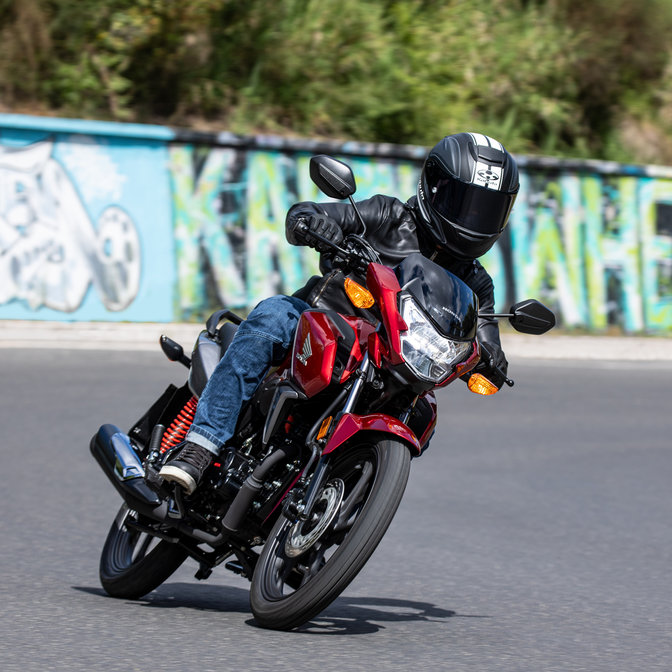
{"points": [[569, 78]]}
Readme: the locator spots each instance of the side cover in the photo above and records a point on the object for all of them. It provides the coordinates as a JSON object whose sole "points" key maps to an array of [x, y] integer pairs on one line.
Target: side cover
{"points": [[206, 354]]}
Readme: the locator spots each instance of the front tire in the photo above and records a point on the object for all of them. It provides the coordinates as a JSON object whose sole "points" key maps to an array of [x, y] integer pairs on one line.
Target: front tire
{"points": [[291, 584], [132, 563]]}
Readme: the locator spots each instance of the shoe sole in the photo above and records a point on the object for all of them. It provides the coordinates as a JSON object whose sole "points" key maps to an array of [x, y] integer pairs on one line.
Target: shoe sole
{"points": [[175, 475]]}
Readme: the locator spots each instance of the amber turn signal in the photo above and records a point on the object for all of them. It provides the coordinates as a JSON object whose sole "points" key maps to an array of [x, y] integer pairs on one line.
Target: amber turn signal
{"points": [[479, 384], [324, 428], [359, 296]]}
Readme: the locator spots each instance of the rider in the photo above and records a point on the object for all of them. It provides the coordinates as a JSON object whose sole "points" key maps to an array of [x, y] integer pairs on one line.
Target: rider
{"points": [[465, 193]]}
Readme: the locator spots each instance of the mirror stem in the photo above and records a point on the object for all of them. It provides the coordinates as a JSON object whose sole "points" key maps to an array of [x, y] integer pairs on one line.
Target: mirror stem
{"points": [[359, 217]]}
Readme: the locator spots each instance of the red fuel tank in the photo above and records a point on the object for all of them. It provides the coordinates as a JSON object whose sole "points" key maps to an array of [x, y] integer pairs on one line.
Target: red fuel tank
{"points": [[323, 343]]}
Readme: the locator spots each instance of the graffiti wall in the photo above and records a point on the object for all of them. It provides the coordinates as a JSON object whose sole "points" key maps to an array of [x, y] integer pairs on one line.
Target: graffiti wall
{"points": [[140, 223]]}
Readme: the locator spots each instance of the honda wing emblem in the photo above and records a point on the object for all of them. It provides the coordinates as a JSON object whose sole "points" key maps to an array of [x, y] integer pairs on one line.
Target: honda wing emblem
{"points": [[305, 352]]}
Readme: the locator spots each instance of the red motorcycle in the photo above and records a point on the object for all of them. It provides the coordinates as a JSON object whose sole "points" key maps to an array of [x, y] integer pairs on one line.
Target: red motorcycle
{"points": [[322, 452]]}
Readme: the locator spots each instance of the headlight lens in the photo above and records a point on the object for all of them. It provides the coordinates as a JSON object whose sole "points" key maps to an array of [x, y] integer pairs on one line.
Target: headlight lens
{"points": [[430, 355]]}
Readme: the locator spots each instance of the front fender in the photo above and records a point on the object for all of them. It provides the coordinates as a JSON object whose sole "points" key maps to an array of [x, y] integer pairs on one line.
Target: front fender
{"points": [[350, 424]]}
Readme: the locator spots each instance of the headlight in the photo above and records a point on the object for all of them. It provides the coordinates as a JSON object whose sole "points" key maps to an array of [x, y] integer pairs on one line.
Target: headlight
{"points": [[430, 355]]}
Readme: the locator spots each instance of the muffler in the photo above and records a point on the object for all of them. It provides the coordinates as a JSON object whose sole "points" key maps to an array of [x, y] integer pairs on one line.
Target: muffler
{"points": [[114, 452], [122, 466]]}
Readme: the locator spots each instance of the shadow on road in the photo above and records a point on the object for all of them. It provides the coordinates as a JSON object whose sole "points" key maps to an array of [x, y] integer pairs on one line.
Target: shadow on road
{"points": [[188, 596], [365, 615], [345, 616]]}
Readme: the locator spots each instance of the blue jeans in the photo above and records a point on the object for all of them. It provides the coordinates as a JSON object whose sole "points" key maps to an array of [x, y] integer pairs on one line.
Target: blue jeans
{"points": [[261, 341]]}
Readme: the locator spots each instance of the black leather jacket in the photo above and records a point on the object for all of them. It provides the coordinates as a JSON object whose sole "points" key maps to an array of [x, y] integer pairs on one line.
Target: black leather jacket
{"points": [[392, 231]]}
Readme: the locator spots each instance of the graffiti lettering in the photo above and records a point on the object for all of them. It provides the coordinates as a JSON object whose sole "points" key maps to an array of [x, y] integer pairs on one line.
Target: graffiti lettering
{"points": [[588, 245], [591, 247]]}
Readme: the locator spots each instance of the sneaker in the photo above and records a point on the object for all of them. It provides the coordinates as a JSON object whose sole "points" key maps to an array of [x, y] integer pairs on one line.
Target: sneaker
{"points": [[188, 466]]}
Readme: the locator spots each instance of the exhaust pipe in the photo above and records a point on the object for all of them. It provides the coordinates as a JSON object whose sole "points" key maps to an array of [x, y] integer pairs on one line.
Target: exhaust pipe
{"points": [[113, 451], [122, 466]]}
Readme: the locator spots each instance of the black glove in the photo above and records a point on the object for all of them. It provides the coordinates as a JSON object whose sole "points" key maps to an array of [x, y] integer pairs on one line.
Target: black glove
{"points": [[493, 364], [321, 225]]}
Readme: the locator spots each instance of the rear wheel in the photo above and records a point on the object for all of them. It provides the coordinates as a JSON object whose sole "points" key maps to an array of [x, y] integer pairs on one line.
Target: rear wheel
{"points": [[134, 563], [305, 566]]}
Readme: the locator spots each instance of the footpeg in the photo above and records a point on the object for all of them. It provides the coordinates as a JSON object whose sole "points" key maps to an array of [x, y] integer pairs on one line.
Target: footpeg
{"points": [[235, 567], [203, 572]]}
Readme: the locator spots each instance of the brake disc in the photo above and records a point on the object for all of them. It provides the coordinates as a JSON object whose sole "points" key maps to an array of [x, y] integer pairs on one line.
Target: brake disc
{"points": [[304, 534]]}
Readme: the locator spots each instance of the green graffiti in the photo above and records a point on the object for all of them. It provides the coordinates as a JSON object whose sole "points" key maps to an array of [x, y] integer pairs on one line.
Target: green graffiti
{"points": [[592, 246], [587, 245], [200, 236], [623, 251], [656, 254], [273, 265], [572, 235], [596, 289], [383, 177]]}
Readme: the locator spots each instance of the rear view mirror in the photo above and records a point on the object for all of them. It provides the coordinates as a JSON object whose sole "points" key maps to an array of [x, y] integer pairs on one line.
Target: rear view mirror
{"points": [[333, 177], [531, 317]]}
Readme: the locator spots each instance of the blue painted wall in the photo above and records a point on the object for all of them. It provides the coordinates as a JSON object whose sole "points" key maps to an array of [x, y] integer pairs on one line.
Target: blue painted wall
{"points": [[85, 221], [125, 222]]}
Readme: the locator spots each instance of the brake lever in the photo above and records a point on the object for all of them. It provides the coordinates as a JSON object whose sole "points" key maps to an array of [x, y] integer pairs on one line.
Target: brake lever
{"points": [[508, 381]]}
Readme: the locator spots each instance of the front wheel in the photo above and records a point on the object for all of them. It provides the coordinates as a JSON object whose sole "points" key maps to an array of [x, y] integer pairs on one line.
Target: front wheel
{"points": [[133, 563], [305, 566]]}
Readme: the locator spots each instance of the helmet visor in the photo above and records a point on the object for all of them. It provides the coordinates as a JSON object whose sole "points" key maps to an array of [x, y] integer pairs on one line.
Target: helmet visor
{"points": [[475, 208]]}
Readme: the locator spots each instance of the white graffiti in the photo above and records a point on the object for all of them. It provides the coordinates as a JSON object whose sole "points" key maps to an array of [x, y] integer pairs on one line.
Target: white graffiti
{"points": [[94, 172], [50, 252]]}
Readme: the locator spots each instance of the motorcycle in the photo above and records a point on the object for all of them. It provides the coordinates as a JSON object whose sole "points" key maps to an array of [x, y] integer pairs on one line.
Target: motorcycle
{"points": [[312, 479]]}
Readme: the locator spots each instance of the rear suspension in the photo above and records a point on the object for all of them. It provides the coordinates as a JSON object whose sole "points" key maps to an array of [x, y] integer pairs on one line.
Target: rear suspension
{"points": [[179, 427]]}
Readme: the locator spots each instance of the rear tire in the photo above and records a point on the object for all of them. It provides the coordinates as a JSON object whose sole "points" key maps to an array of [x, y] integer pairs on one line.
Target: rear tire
{"points": [[132, 563], [289, 589]]}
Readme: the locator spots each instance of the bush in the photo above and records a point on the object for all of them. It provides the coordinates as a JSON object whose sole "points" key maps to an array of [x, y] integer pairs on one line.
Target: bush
{"points": [[545, 76]]}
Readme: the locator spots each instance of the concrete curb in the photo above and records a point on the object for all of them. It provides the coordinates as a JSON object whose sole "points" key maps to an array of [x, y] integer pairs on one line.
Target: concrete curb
{"points": [[588, 348], [145, 336]]}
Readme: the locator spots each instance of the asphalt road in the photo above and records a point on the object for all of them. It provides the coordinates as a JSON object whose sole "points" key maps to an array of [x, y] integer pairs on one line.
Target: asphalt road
{"points": [[534, 535]]}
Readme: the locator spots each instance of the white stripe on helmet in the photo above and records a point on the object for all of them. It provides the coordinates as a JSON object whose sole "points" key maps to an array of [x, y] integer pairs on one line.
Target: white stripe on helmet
{"points": [[486, 141], [486, 175], [479, 139]]}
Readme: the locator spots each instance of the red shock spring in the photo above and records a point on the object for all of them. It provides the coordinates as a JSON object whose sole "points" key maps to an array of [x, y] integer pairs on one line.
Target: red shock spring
{"points": [[180, 426]]}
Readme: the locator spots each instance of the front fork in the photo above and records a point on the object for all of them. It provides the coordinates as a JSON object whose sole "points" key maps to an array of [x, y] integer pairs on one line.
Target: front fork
{"points": [[303, 508]]}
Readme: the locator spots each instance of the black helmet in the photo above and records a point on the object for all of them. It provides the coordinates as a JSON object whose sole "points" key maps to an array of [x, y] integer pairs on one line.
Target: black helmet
{"points": [[465, 194]]}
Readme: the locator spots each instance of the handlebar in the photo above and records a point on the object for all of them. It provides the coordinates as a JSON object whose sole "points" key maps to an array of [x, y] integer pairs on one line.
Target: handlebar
{"points": [[356, 256]]}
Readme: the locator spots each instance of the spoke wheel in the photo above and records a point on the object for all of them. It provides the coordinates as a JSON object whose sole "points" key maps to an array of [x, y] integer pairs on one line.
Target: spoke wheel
{"points": [[134, 563], [305, 566]]}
